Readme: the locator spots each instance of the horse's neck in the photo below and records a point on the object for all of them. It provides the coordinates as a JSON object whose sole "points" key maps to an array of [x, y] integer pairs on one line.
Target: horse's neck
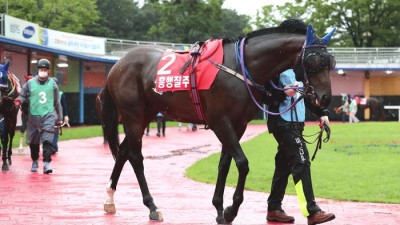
{"points": [[267, 57]]}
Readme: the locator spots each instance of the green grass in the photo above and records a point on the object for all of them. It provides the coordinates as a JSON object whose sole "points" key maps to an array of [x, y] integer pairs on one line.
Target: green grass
{"points": [[361, 162]]}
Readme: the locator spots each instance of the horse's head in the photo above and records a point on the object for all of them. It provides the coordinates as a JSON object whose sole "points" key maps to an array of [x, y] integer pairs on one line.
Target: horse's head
{"points": [[4, 78], [313, 66]]}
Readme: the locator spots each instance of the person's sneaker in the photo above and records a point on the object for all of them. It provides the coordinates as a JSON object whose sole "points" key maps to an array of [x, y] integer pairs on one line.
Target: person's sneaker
{"points": [[320, 217], [46, 168], [158, 134], [279, 216], [35, 166]]}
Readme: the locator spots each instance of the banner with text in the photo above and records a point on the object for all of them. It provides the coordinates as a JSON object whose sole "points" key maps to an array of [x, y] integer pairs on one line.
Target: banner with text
{"points": [[72, 42], [21, 30]]}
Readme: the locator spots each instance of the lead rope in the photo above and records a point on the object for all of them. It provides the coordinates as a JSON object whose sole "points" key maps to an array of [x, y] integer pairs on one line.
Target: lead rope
{"points": [[320, 133], [58, 128]]}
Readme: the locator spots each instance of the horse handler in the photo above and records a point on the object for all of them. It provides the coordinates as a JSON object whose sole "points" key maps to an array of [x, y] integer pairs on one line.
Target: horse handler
{"points": [[40, 95], [292, 156]]}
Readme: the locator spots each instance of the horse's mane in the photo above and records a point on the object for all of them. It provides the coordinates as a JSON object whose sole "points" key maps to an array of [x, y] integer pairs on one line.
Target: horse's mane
{"points": [[290, 25]]}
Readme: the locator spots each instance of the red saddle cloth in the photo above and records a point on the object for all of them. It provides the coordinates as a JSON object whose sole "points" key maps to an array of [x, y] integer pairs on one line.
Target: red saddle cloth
{"points": [[363, 101], [169, 77]]}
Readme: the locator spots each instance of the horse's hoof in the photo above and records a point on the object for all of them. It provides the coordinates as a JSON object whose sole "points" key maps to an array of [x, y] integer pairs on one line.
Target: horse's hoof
{"points": [[109, 208], [220, 220], [9, 162], [156, 216], [229, 214], [4, 167]]}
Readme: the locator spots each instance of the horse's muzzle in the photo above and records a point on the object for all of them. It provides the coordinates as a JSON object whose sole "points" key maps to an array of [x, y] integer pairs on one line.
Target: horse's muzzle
{"points": [[324, 101]]}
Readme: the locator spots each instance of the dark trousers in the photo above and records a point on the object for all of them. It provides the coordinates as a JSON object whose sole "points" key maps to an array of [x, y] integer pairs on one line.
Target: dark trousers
{"points": [[55, 141], [47, 151], [161, 124], [292, 158]]}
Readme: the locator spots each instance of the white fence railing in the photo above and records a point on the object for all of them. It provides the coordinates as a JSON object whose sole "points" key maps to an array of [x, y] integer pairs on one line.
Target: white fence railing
{"points": [[377, 58], [373, 58]]}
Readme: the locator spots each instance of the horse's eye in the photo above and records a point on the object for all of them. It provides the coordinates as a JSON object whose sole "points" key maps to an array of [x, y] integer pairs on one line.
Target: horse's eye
{"points": [[313, 62]]}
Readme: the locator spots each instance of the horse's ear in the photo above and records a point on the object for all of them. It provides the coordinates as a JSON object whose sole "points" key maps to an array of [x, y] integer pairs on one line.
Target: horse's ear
{"points": [[310, 35], [327, 37]]}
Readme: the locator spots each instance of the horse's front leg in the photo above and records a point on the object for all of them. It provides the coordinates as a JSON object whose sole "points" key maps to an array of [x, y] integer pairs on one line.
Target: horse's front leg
{"points": [[218, 199], [242, 165], [10, 149], [230, 142], [120, 161], [4, 167]]}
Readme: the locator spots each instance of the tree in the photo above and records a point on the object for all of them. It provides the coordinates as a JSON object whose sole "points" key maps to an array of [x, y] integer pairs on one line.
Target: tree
{"points": [[360, 23], [69, 16], [188, 21], [148, 16], [118, 19], [234, 25]]}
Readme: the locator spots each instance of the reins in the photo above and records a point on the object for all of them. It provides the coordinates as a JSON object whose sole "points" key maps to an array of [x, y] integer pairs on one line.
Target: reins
{"points": [[240, 54], [325, 128], [57, 128], [308, 89]]}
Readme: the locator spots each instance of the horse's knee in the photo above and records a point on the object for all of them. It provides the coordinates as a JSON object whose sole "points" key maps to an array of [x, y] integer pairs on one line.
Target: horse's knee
{"points": [[217, 201], [243, 166]]}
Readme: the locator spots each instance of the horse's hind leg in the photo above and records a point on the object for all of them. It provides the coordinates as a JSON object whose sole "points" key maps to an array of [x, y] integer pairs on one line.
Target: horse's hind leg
{"points": [[120, 161], [135, 157]]}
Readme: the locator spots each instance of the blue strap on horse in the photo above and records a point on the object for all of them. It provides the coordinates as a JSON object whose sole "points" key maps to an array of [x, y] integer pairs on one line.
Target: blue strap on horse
{"points": [[240, 54]]}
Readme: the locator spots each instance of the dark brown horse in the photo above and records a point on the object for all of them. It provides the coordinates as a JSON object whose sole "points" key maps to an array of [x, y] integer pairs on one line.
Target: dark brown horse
{"points": [[375, 106], [9, 89], [227, 105]]}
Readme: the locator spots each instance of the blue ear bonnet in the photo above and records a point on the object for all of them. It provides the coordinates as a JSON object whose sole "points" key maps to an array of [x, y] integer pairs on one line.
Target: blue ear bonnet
{"points": [[310, 36], [4, 68], [4, 75]]}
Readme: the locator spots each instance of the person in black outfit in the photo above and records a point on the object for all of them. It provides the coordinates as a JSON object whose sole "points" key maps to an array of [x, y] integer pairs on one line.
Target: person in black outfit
{"points": [[292, 156]]}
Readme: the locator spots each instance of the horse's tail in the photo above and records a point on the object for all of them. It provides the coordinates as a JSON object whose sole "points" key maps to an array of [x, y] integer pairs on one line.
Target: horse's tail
{"points": [[110, 123]]}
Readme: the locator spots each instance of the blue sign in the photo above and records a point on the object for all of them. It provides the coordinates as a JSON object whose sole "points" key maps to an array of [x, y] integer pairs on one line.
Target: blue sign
{"points": [[28, 32]]}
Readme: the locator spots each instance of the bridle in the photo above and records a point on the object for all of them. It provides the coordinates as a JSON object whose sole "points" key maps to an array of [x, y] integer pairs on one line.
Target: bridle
{"points": [[322, 61], [301, 59]]}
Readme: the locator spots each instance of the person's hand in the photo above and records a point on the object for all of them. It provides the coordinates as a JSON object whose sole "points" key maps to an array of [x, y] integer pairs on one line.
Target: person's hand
{"points": [[323, 120], [290, 92], [17, 103], [59, 123]]}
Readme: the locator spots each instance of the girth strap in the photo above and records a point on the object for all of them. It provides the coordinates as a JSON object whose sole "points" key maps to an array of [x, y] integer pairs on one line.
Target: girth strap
{"points": [[194, 92]]}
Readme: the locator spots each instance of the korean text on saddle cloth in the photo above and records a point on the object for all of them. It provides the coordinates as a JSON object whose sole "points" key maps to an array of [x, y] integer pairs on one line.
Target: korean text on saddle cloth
{"points": [[169, 77]]}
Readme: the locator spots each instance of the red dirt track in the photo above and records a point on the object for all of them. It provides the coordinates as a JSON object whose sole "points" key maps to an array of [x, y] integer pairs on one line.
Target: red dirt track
{"points": [[75, 192]]}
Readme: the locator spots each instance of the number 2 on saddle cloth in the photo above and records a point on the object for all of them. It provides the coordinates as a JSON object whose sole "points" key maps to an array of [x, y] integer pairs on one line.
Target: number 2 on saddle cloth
{"points": [[170, 78], [190, 70]]}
